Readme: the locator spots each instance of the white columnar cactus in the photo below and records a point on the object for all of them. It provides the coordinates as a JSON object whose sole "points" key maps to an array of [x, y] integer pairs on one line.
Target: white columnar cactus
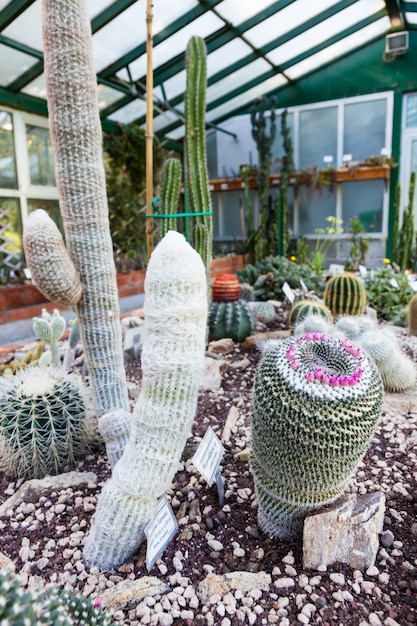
{"points": [[77, 140], [172, 362]]}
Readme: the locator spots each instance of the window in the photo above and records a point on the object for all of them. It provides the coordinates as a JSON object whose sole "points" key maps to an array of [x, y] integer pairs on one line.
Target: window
{"points": [[8, 175], [411, 111], [318, 136], [50, 206], [364, 129], [11, 252], [41, 158]]}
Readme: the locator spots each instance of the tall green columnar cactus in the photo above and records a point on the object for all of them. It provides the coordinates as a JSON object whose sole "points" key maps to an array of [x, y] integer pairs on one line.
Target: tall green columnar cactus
{"points": [[195, 146], [412, 316], [317, 400], [170, 193], [345, 294], [77, 140], [407, 228], [172, 363]]}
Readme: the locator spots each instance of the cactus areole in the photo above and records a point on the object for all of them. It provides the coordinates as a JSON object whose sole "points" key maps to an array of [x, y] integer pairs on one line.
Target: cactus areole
{"points": [[317, 400]]}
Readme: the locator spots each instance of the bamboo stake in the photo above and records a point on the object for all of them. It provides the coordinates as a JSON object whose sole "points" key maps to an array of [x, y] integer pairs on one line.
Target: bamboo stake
{"points": [[149, 132]]}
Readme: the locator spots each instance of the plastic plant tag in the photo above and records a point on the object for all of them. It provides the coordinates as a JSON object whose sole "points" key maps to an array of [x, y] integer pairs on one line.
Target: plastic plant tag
{"points": [[160, 531], [208, 456], [394, 283], [334, 269], [413, 285], [363, 271], [288, 292], [303, 285]]}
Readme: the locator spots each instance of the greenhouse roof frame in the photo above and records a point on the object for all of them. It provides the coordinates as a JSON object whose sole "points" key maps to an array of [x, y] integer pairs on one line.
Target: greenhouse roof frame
{"points": [[253, 49]]}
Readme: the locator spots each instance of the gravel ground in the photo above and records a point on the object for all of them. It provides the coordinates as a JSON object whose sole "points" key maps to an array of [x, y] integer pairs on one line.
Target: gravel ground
{"points": [[44, 539]]}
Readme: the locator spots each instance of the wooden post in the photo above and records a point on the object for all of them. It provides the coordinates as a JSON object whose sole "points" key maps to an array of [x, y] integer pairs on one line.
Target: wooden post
{"points": [[149, 131]]}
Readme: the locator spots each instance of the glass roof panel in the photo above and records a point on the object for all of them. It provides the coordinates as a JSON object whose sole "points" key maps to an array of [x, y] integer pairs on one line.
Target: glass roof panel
{"points": [[27, 28], [164, 13], [13, 63], [177, 133], [4, 3], [319, 33], [237, 79], [285, 20], [175, 85], [95, 7], [226, 55], [411, 18], [130, 112], [164, 119], [238, 11], [340, 48], [107, 95], [203, 26], [246, 97], [37, 87]]}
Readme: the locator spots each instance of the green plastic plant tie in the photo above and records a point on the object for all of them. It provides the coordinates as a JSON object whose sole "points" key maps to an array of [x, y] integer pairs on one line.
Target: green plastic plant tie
{"points": [[166, 215]]}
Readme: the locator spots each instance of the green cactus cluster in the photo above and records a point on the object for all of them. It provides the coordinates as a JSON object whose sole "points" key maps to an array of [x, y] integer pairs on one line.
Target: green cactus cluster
{"points": [[231, 319], [42, 422], [268, 276], [317, 400], [303, 308], [52, 607], [345, 294], [247, 292], [313, 323], [31, 358], [353, 326]]}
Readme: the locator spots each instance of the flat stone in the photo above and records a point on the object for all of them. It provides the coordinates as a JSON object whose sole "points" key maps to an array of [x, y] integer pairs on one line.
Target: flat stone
{"points": [[260, 338], [129, 591], [6, 563], [221, 346], [400, 403], [345, 531], [133, 339], [231, 420], [33, 489], [233, 581], [213, 373]]}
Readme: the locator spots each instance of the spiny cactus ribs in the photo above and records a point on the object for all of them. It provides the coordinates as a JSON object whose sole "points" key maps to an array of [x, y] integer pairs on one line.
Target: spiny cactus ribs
{"points": [[345, 294], [317, 400], [225, 288], [230, 319]]}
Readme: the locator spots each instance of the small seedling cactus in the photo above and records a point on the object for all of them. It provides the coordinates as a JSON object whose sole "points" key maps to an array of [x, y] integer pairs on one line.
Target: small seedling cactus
{"points": [[345, 294], [50, 328], [51, 607], [42, 422], [231, 319], [317, 400]]}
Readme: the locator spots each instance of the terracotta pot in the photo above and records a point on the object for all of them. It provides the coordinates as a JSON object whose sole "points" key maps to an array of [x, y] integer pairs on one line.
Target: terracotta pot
{"points": [[226, 288]]}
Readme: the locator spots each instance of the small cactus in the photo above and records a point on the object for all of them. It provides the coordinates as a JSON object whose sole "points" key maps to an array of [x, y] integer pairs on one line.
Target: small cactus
{"points": [[247, 292], [225, 288], [314, 323], [353, 326], [52, 607], [50, 328], [42, 422], [317, 400], [230, 319], [345, 294], [412, 316], [302, 308]]}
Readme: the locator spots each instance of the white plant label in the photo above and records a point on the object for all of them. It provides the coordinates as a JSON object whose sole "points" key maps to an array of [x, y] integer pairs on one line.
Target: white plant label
{"points": [[208, 456], [413, 285], [334, 269], [363, 271], [394, 283], [303, 285], [288, 292], [160, 531]]}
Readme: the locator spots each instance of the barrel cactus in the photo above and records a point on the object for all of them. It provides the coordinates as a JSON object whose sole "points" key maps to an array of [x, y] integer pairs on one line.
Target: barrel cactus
{"points": [[225, 288], [345, 294], [302, 308], [353, 326], [53, 607], [231, 319], [317, 400], [43, 425], [412, 315]]}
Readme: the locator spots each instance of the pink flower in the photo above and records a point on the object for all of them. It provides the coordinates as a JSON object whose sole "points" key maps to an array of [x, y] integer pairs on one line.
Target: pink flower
{"points": [[318, 374], [344, 380], [294, 364], [325, 379], [334, 381], [317, 335], [310, 377], [290, 354], [98, 602], [356, 353], [308, 335], [352, 380]]}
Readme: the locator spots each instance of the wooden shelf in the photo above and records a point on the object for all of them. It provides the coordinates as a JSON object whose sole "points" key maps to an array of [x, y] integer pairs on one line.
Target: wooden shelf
{"points": [[343, 175]]}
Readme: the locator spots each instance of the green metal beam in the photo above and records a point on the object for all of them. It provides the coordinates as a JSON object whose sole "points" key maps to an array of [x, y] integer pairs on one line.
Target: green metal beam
{"points": [[21, 47], [131, 56], [408, 7], [23, 102], [12, 11], [111, 12]]}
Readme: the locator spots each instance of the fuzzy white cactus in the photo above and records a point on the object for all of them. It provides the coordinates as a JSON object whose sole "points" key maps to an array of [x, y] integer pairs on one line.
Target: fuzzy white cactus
{"points": [[172, 363]]}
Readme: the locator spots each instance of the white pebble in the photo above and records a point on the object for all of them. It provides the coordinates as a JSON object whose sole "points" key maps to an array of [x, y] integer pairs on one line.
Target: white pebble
{"points": [[372, 571], [337, 578], [280, 583], [215, 545], [374, 620]]}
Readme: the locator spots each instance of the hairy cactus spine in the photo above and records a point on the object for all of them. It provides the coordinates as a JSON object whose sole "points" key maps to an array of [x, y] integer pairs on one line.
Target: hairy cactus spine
{"points": [[397, 370], [42, 426], [317, 400], [412, 316], [170, 193], [195, 137], [303, 308], [172, 362], [345, 294], [77, 140], [231, 319]]}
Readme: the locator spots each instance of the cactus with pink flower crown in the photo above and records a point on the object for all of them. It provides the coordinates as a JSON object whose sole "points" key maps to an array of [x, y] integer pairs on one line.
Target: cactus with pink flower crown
{"points": [[317, 400]]}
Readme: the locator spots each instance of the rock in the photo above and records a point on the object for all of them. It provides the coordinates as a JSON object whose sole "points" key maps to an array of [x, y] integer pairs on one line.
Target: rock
{"points": [[259, 338], [133, 339], [33, 489], [402, 403], [243, 455], [346, 531], [129, 591], [231, 420], [6, 563], [212, 375], [221, 346], [387, 538], [241, 365], [237, 581]]}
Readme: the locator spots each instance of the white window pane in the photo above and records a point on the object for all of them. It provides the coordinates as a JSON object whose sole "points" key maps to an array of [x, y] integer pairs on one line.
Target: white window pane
{"points": [[314, 207], [318, 136], [130, 112], [237, 79], [36, 88], [238, 11], [364, 199], [364, 128], [411, 112], [226, 55], [27, 27]]}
